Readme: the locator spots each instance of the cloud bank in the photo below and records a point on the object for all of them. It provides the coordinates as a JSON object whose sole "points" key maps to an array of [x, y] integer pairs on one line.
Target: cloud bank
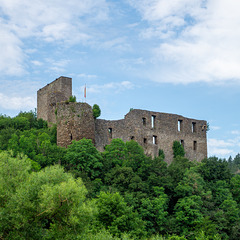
{"points": [[61, 22], [198, 39]]}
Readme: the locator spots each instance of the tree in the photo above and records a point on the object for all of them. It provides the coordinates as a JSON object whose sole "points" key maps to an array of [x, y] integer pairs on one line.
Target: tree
{"points": [[96, 111], [49, 203], [188, 214], [117, 217], [235, 188], [154, 211], [114, 154], [83, 156], [213, 169], [178, 149]]}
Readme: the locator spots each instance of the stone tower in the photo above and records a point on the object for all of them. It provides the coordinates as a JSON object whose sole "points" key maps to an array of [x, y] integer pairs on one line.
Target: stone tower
{"points": [[74, 122], [47, 97]]}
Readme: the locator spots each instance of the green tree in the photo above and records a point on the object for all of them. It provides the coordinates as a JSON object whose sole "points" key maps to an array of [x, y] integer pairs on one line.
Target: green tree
{"points": [[188, 214], [96, 111], [83, 156], [227, 219], [115, 154], [48, 204], [154, 211], [213, 169], [178, 149], [117, 217], [235, 188]]}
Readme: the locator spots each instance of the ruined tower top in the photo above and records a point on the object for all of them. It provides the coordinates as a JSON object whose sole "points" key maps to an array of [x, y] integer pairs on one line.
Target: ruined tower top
{"points": [[48, 96]]}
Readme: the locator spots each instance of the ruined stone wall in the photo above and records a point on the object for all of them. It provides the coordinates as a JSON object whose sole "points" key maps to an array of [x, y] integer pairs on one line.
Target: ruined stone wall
{"points": [[48, 96], [74, 122], [154, 131]]}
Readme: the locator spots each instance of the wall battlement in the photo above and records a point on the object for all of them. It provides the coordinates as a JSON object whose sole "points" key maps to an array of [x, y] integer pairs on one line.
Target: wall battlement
{"points": [[152, 130]]}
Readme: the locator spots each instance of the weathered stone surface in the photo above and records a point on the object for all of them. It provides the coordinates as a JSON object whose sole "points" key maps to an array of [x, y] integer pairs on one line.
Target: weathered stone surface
{"points": [[165, 132], [152, 130], [74, 122], [47, 97]]}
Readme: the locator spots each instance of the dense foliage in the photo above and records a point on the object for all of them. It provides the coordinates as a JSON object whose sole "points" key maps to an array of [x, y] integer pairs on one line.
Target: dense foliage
{"points": [[48, 192], [96, 111]]}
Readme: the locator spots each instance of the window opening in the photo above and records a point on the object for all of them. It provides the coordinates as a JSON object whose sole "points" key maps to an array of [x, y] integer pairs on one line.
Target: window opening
{"points": [[193, 127], [71, 137], [144, 121], [110, 132], [132, 137], [182, 142], [154, 139], [195, 145], [179, 125], [153, 121], [144, 140]]}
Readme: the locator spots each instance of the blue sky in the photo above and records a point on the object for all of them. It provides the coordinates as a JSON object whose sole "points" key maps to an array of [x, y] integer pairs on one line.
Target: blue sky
{"points": [[178, 56]]}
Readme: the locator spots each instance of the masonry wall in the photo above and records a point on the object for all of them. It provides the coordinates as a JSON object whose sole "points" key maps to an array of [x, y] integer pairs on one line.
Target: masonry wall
{"points": [[74, 122], [154, 131], [48, 96]]}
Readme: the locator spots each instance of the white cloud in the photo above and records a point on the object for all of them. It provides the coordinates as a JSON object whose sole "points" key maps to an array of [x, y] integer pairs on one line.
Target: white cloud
{"points": [[215, 128], [223, 148], [235, 132], [113, 86], [51, 21], [12, 56], [86, 76], [17, 103], [199, 39], [36, 63], [219, 143], [57, 66], [220, 152]]}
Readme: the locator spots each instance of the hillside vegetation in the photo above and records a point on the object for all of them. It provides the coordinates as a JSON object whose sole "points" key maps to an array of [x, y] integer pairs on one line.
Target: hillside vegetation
{"points": [[49, 192]]}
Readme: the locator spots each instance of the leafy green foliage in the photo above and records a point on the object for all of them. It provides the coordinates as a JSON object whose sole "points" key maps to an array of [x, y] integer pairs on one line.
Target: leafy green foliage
{"points": [[118, 194], [154, 211], [37, 145], [117, 216], [48, 203], [83, 157], [96, 111], [178, 149], [72, 99], [214, 169]]}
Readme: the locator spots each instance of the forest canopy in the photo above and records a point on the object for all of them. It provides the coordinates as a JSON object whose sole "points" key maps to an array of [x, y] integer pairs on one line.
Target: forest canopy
{"points": [[49, 192]]}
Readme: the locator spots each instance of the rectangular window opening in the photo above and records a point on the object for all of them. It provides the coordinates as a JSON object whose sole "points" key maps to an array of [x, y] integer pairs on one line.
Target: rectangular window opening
{"points": [[154, 139], [144, 140], [179, 125], [144, 121], [110, 132], [182, 142], [193, 127], [195, 145], [153, 121]]}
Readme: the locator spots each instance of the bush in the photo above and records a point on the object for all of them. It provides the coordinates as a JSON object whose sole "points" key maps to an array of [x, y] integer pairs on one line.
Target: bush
{"points": [[96, 111], [178, 149], [72, 99]]}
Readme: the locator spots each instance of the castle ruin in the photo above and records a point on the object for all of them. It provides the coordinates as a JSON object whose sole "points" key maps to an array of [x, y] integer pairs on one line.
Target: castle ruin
{"points": [[152, 130]]}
